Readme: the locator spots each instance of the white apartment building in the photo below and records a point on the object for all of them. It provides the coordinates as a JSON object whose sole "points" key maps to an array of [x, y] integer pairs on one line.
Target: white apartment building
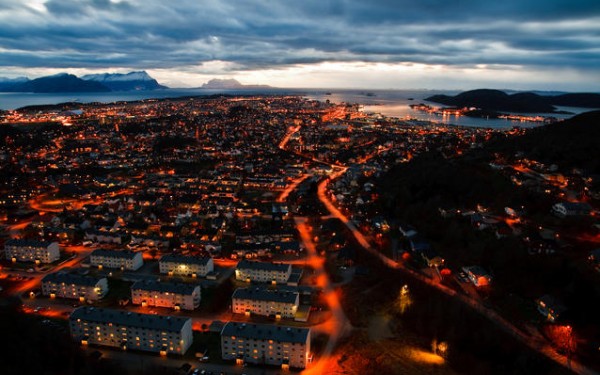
{"points": [[166, 294], [67, 285], [181, 265], [31, 251], [263, 272], [261, 301], [129, 330], [123, 259], [266, 344]]}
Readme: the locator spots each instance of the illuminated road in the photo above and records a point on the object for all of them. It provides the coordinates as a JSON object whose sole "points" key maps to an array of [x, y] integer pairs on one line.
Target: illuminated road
{"points": [[338, 325], [284, 194], [287, 137]]}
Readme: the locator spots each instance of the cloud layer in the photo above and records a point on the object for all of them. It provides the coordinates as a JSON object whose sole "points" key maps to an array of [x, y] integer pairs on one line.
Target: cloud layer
{"points": [[243, 37]]}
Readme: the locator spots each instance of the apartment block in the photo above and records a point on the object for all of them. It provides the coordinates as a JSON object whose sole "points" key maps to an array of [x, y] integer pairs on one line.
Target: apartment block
{"points": [[67, 285], [166, 294], [181, 265], [123, 259], [262, 301], [31, 251], [266, 344], [129, 330], [261, 272]]}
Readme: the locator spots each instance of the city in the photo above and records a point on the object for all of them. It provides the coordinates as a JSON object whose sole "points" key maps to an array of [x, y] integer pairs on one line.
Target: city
{"points": [[251, 187], [234, 231]]}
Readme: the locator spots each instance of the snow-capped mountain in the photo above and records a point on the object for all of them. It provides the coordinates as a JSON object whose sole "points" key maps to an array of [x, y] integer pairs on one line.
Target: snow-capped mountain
{"points": [[139, 80]]}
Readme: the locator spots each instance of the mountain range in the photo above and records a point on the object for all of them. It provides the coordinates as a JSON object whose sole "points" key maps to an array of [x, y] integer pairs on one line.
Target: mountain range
{"points": [[496, 100], [64, 82]]}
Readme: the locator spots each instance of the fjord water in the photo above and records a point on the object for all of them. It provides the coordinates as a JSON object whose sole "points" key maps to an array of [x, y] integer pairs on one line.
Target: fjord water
{"points": [[394, 103]]}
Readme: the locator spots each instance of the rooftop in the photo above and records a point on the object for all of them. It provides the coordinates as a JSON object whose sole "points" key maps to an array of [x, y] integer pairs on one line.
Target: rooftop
{"points": [[263, 294], [129, 319], [176, 258], [71, 278], [266, 332], [25, 242], [127, 254], [160, 286], [278, 267]]}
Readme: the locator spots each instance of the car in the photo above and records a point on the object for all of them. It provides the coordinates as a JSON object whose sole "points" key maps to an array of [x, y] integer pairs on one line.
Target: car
{"points": [[185, 368]]}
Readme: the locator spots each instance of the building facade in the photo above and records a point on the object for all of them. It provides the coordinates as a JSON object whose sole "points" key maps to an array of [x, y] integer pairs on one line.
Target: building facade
{"points": [[261, 301], [250, 271], [125, 259], [166, 294], [66, 285], [31, 251], [129, 330], [266, 344], [181, 265]]}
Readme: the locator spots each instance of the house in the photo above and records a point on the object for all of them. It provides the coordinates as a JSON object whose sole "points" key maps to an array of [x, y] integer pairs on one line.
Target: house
{"points": [[129, 330], [262, 301], [103, 237], [550, 307], [266, 344], [166, 294], [566, 209], [594, 258], [68, 285], [31, 251], [263, 272], [124, 259], [430, 256], [477, 275]]}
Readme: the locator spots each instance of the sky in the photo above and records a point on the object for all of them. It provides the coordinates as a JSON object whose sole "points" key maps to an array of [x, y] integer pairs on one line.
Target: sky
{"points": [[378, 44]]}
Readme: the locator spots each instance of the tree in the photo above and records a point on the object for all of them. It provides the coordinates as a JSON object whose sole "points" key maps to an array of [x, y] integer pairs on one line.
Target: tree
{"points": [[404, 300]]}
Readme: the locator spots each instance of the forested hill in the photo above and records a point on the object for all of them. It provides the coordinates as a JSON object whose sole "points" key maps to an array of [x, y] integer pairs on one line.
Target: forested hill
{"points": [[496, 100]]}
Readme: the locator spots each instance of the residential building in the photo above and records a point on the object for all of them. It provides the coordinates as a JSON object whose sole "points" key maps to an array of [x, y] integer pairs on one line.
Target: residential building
{"points": [[31, 251], [477, 275], [565, 209], [129, 330], [550, 307], [266, 344], [69, 285], [174, 264], [594, 258], [103, 237], [123, 259], [262, 301], [263, 272], [166, 294]]}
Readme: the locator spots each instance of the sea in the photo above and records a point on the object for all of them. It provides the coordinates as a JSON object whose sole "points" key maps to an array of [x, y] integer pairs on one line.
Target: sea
{"points": [[391, 103]]}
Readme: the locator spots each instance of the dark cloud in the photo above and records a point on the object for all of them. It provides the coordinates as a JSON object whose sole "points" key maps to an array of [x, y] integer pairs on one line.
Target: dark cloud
{"points": [[266, 34]]}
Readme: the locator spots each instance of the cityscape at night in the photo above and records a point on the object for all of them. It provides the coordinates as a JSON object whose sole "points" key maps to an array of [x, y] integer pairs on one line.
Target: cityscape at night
{"points": [[254, 187]]}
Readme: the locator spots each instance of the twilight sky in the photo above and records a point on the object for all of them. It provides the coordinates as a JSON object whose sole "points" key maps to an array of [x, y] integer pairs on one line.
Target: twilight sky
{"points": [[444, 44]]}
